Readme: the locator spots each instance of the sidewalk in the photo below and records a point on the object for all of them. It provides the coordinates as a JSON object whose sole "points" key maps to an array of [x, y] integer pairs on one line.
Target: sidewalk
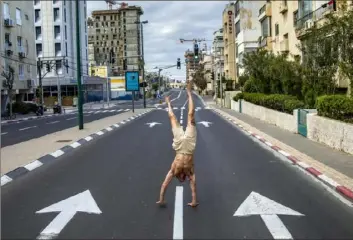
{"points": [[326, 159]]}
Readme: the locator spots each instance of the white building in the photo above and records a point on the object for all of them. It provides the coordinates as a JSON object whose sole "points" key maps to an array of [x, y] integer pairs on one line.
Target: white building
{"points": [[55, 35], [17, 49], [247, 29], [218, 56]]}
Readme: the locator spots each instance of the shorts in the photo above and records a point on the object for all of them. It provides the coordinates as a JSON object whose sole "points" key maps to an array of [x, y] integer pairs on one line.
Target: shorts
{"points": [[184, 142]]}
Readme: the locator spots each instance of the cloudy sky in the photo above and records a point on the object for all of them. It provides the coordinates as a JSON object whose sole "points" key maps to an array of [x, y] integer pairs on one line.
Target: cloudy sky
{"points": [[168, 22]]}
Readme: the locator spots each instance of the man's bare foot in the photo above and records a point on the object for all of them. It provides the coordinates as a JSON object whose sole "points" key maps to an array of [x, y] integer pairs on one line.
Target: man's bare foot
{"points": [[161, 202], [193, 204]]}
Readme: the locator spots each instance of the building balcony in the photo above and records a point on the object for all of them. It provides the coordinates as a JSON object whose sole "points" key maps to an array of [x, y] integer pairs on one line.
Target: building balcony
{"points": [[283, 7], [21, 52], [8, 22], [8, 48], [284, 45], [265, 42], [265, 11], [309, 20]]}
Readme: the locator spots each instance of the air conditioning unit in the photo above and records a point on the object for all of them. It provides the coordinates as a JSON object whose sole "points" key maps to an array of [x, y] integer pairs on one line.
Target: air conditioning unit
{"points": [[22, 54], [309, 23], [8, 22]]}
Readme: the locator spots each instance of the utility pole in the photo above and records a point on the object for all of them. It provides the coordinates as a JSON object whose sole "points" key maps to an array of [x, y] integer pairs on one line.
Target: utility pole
{"points": [[143, 67], [159, 80], [79, 75], [39, 68]]}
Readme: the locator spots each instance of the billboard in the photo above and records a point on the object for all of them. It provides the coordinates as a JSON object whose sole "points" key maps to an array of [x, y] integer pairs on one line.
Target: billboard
{"points": [[132, 81]]}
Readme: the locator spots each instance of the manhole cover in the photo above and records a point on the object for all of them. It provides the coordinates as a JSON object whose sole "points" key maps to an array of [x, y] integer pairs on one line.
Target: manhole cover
{"points": [[64, 141]]}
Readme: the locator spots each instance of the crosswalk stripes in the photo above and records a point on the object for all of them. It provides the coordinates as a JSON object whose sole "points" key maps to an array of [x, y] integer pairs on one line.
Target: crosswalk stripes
{"points": [[181, 108]]}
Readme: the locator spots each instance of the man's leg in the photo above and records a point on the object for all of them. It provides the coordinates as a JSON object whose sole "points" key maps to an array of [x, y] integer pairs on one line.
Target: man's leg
{"points": [[191, 112], [173, 120], [165, 184], [193, 203]]}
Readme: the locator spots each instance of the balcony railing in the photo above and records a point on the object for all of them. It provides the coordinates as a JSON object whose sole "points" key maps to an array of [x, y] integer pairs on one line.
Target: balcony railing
{"points": [[314, 16], [262, 9]]}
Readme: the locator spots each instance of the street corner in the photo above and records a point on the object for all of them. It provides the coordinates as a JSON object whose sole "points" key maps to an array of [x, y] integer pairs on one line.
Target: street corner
{"points": [[50, 157], [344, 191]]}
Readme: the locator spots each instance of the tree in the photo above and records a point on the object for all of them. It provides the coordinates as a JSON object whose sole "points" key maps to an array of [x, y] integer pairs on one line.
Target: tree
{"points": [[8, 83], [199, 77]]}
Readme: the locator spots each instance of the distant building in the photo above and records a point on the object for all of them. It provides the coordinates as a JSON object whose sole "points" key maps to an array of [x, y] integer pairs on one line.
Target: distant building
{"points": [[218, 56], [17, 49]]}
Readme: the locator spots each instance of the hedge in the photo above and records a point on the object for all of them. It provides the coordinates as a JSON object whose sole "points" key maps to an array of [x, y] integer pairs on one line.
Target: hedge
{"points": [[279, 102], [337, 107], [22, 108]]}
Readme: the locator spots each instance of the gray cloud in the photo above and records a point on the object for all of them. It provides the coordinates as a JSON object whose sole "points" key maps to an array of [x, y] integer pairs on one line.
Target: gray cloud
{"points": [[168, 22]]}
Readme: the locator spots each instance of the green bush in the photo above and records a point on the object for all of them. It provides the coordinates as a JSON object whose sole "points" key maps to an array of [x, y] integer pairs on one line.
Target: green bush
{"points": [[238, 96], [250, 86], [337, 107], [278, 102], [22, 108]]}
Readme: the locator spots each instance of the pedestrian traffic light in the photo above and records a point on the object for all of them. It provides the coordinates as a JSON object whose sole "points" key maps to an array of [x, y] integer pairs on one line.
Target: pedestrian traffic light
{"points": [[178, 64], [125, 64]]}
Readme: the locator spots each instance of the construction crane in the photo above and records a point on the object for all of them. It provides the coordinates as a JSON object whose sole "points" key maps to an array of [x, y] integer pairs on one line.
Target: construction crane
{"points": [[113, 2]]}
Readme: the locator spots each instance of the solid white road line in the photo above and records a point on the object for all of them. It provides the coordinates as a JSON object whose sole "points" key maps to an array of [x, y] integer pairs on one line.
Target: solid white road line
{"points": [[21, 129], [53, 122], [33, 165], [3, 133], [276, 227], [178, 230]]}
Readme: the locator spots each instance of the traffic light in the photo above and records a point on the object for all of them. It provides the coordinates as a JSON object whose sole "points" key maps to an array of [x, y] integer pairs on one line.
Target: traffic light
{"points": [[178, 64], [143, 84], [125, 64], [196, 50], [48, 66], [212, 76]]}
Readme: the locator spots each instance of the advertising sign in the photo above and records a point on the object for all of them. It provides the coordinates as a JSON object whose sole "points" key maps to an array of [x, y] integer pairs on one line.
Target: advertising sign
{"points": [[132, 81]]}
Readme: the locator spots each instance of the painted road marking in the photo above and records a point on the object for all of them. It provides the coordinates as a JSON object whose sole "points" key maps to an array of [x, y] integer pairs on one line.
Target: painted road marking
{"points": [[89, 138], [178, 230], [75, 145], [82, 202], [71, 118], [205, 123], [57, 153], [116, 125], [152, 124], [99, 133], [109, 129], [3, 133], [256, 204], [5, 179], [21, 129], [53, 122], [33, 165], [112, 110]]}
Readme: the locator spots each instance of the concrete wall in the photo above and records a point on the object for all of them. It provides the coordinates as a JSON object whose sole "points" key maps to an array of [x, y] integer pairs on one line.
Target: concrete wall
{"points": [[235, 105], [228, 97], [335, 134]]}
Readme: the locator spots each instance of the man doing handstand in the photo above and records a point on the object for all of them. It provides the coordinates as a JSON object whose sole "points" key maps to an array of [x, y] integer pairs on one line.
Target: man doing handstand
{"points": [[184, 143]]}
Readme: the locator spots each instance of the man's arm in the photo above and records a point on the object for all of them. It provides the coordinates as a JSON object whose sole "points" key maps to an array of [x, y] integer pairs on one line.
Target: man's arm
{"points": [[191, 112]]}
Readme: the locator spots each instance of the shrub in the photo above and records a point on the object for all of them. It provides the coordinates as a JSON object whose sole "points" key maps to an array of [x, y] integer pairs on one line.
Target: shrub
{"points": [[337, 107], [238, 96], [250, 86], [279, 102]]}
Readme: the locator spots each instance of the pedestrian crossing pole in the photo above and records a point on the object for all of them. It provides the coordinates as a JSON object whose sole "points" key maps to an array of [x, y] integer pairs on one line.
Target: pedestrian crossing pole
{"points": [[79, 75]]}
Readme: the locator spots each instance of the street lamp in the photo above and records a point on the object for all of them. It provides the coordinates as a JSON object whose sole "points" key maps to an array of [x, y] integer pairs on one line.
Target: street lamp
{"points": [[143, 60]]}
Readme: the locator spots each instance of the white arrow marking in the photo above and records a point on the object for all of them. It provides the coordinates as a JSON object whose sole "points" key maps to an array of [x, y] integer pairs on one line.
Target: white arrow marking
{"points": [[256, 204], [152, 124], [205, 123], [82, 202]]}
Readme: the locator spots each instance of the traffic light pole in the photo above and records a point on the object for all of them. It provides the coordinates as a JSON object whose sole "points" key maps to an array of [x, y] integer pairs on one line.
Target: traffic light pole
{"points": [[143, 67], [79, 75], [39, 69]]}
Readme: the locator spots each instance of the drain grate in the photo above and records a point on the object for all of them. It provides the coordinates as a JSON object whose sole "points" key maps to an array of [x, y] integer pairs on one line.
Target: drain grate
{"points": [[64, 141]]}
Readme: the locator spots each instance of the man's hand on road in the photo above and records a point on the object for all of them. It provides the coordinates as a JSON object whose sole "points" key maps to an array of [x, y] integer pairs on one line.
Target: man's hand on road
{"points": [[167, 100], [193, 204]]}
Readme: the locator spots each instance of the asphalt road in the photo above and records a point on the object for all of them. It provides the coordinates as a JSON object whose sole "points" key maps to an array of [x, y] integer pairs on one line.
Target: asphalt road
{"points": [[13, 133], [124, 169]]}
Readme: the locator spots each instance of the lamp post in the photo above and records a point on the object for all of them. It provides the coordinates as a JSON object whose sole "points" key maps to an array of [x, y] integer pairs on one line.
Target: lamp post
{"points": [[143, 60]]}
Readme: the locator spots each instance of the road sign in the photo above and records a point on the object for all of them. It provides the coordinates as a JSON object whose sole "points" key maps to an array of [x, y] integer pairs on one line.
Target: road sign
{"points": [[152, 124], [256, 204], [82, 202], [132, 81], [205, 123]]}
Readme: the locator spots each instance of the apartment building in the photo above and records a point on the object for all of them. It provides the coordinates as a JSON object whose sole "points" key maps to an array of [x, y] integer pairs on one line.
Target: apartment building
{"points": [[247, 30], [56, 44], [265, 19], [207, 60], [17, 49], [115, 37], [229, 41], [218, 56]]}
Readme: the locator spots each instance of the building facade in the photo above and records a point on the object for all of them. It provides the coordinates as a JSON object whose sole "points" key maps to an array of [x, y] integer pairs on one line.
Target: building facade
{"points": [[247, 30], [17, 49], [56, 45], [116, 39], [218, 56], [229, 41]]}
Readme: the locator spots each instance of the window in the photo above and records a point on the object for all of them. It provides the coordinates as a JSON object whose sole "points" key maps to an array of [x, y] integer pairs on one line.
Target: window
{"points": [[26, 17], [38, 33], [65, 14], [57, 49], [66, 49], [264, 28], [18, 16], [19, 41], [58, 66], [237, 8], [65, 33], [55, 1], [7, 38], [36, 2], [237, 28], [57, 32], [39, 50], [56, 14], [276, 29], [37, 15], [21, 70], [104, 18], [295, 17], [6, 11]]}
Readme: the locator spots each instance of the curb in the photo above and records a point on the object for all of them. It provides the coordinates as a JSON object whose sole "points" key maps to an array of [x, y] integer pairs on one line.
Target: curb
{"points": [[344, 191], [20, 171]]}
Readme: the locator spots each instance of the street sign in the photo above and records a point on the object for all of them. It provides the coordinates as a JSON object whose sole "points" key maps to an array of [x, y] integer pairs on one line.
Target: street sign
{"points": [[132, 81], [152, 124], [205, 123], [82, 202], [256, 204]]}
